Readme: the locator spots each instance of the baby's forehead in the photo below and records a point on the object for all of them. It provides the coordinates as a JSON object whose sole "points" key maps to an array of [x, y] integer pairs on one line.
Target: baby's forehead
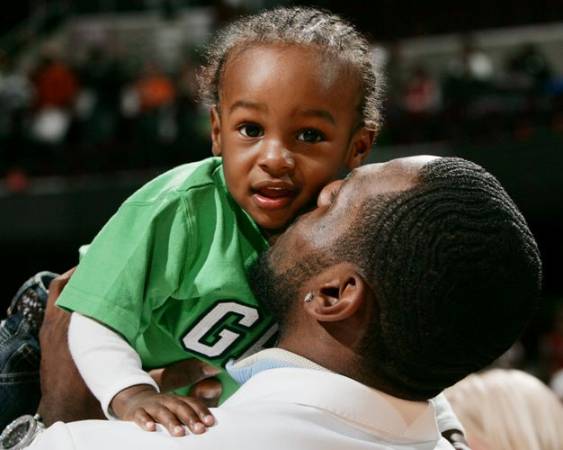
{"points": [[319, 55], [309, 62]]}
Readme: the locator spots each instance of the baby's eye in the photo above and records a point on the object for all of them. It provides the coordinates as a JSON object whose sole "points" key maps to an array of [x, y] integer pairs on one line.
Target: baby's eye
{"points": [[311, 135], [251, 130]]}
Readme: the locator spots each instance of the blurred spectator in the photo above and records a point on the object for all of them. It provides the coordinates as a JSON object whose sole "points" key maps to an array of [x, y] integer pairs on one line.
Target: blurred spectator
{"points": [[55, 83], [507, 410], [154, 88], [187, 86], [15, 99], [102, 78], [395, 73], [552, 344], [420, 102], [395, 77], [16, 180], [472, 62], [152, 97], [56, 88], [467, 90], [192, 143], [15, 92], [101, 117], [529, 68], [50, 126], [421, 93]]}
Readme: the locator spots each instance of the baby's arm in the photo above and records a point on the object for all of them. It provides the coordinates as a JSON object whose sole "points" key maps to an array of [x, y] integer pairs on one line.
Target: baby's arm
{"points": [[112, 370]]}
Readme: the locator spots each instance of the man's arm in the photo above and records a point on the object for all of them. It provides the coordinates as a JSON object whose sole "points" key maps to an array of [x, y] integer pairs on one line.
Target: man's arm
{"points": [[64, 395], [120, 435]]}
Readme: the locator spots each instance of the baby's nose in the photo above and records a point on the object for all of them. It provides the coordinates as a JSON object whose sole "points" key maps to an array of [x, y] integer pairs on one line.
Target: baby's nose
{"points": [[277, 160]]}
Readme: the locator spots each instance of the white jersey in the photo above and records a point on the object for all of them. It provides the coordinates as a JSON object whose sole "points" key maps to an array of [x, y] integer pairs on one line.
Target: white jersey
{"points": [[280, 408]]}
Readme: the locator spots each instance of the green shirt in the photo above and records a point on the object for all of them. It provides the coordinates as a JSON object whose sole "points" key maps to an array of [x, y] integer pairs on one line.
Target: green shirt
{"points": [[168, 272]]}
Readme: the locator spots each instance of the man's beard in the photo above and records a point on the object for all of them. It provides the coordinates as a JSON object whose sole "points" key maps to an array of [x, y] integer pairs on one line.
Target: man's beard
{"points": [[275, 292], [279, 293]]}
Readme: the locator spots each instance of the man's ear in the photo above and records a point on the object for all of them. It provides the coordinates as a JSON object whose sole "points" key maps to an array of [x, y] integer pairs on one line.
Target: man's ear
{"points": [[360, 146], [339, 297], [215, 131]]}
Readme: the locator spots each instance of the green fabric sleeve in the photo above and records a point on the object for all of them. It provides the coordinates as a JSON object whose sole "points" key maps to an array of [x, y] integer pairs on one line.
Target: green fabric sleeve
{"points": [[131, 267]]}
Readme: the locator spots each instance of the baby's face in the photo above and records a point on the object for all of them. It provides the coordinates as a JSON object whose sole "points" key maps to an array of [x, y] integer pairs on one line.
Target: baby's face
{"points": [[285, 127]]}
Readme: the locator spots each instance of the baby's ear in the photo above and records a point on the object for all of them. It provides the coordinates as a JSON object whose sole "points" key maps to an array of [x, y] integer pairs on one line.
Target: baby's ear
{"points": [[360, 146], [216, 148]]}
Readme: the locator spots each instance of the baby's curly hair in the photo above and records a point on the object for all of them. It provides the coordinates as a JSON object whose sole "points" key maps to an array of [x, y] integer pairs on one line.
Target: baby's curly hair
{"points": [[328, 32]]}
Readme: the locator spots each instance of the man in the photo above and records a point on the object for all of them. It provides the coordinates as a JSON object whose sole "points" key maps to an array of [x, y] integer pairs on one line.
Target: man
{"points": [[407, 276]]}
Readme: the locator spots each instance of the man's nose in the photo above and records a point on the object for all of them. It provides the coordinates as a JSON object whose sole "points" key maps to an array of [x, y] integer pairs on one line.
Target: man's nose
{"points": [[325, 196], [276, 160]]}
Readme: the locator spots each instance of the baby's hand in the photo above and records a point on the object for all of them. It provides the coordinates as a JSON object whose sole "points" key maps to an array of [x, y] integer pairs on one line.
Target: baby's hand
{"points": [[146, 407]]}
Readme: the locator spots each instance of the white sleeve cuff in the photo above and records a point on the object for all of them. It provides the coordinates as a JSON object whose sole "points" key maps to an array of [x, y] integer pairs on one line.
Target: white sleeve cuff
{"points": [[106, 362]]}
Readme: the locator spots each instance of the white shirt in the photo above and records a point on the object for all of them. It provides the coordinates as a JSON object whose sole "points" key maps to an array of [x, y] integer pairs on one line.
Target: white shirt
{"points": [[278, 408]]}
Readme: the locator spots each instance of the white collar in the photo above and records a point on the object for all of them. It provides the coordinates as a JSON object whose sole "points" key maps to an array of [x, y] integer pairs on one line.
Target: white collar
{"points": [[272, 358], [276, 374]]}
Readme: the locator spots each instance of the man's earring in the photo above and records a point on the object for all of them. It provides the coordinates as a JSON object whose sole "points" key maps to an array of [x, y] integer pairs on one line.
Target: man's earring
{"points": [[309, 297]]}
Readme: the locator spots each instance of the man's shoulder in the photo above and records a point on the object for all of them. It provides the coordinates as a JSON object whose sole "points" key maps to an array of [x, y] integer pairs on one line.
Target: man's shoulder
{"points": [[301, 399], [263, 426]]}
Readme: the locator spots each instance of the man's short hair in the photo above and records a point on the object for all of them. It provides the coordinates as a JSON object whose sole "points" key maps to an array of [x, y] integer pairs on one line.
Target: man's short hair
{"points": [[456, 273]]}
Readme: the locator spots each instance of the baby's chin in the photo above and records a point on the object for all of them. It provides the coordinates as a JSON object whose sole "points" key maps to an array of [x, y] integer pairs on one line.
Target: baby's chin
{"points": [[273, 224], [275, 221]]}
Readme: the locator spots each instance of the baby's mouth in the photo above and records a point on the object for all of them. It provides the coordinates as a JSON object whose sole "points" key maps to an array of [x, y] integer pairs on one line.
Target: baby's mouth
{"points": [[273, 197]]}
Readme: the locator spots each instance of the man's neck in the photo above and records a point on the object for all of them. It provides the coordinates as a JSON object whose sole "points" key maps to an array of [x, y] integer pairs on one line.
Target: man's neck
{"points": [[340, 359], [276, 358]]}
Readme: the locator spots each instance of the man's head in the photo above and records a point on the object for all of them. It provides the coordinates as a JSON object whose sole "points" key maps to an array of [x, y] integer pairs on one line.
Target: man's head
{"points": [[415, 273]]}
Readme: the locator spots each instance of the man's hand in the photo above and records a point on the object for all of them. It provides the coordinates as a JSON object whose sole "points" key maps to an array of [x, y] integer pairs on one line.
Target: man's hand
{"points": [[143, 405], [64, 395], [208, 391]]}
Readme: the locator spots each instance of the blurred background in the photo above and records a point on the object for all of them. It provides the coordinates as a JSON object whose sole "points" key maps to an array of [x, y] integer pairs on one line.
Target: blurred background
{"points": [[98, 96]]}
